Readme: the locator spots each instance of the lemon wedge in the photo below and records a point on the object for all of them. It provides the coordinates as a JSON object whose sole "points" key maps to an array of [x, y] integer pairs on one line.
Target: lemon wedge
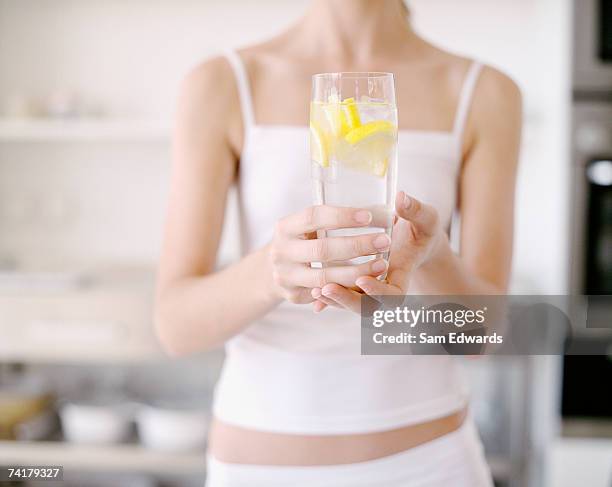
{"points": [[336, 119], [369, 147], [351, 113], [341, 117], [318, 146], [377, 127]]}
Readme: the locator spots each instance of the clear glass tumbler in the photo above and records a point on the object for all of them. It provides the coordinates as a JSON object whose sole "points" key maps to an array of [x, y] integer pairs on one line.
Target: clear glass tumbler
{"points": [[353, 147]]}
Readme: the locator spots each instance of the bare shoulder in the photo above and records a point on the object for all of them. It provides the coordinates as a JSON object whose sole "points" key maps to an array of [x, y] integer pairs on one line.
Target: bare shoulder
{"points": [[497, 93], [496, 88], [209, 105], [496, 115], [211, 80], [493, 86]]}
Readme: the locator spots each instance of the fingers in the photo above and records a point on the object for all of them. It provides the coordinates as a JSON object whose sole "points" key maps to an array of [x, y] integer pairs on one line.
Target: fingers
{"points": [[335, 248], [323, 217], [352, 300], [297, 295], [318, 296], [334, 294], [375, 287], [304, 276], [404, 254], [346, 298], [318, 306], [382, 216], [424, 217]]}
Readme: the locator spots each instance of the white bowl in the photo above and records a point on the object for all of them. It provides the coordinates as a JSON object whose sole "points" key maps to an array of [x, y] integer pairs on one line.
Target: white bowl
{"points": [[104, 479], [88, 423], [172, 429]]}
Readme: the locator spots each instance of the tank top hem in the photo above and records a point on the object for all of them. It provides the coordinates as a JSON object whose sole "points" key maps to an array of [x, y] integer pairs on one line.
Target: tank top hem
{"points": [[346, 424]]}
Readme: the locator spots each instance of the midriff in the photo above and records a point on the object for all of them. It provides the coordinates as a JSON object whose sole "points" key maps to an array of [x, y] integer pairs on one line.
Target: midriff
{"points": [[234, 444]]}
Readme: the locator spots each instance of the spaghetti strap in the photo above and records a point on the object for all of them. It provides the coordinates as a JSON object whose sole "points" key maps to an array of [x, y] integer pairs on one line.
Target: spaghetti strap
{"points": [[465, 98], [244, 91]]}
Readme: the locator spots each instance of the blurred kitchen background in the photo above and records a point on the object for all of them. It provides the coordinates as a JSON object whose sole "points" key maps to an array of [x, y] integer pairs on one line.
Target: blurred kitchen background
{"points": [[87, 93]]}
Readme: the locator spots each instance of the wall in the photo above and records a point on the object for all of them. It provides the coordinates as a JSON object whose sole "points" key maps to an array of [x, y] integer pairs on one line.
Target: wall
{"points": [[529, 40], [126, 58]]}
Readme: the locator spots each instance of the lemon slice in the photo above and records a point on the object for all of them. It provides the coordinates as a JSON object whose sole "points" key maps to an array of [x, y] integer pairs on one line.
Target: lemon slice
{"points": [[341, 117], [336, 119], [378, 127], [369, 147], [318, 146], [351, 113]]}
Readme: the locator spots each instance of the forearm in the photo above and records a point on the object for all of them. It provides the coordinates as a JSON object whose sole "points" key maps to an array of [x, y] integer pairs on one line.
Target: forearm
{"points": [[197, 313], [446, 273]]}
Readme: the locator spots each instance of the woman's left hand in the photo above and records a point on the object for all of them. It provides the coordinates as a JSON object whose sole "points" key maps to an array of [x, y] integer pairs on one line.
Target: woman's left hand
{"points": [[416, 239]]}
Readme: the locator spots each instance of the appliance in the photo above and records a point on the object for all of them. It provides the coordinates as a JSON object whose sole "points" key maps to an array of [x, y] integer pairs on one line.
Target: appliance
{"points": [[585, 407], [581, 398], [592, 45], [591, 228], [598, 272]]}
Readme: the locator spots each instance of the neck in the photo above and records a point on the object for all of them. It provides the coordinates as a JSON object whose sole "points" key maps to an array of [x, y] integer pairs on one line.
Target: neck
{"points": [[355, 31]]}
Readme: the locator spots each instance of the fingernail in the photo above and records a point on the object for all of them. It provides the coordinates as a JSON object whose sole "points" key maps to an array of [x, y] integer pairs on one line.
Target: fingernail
{"points": [[379, 266], [361, 283], [382, 241], [327, 292], [316, 293], [407, 201], [362, 216]]}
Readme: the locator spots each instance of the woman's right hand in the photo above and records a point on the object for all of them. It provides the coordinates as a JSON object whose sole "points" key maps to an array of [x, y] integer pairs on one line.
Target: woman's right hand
{"points": [[295, 246]]}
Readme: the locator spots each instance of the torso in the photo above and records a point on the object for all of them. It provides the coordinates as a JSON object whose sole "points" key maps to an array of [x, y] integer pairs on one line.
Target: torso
{"points": [[428, 87]]}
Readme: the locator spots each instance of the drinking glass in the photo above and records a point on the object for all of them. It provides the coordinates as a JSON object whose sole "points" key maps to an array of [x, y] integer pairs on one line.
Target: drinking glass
{"points": [[353, 148]]}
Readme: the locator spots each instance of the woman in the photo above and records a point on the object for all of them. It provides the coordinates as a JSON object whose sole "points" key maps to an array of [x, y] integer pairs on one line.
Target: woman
{"points": [[296, 403]]}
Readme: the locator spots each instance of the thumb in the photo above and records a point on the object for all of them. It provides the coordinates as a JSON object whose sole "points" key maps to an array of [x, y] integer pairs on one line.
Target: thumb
{"points": [[402, 256], [423, 217]]}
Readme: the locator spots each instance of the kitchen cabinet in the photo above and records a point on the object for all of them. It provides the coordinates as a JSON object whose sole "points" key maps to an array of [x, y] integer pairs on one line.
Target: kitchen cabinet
{"points": [[107, 320]]}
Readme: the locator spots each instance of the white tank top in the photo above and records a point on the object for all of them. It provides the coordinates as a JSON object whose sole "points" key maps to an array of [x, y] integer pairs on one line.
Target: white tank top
{"points": [[294, 371]]}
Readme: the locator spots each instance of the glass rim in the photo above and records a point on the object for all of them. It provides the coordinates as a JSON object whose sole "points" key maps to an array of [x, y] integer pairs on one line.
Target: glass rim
{"points": [[354, 75]]}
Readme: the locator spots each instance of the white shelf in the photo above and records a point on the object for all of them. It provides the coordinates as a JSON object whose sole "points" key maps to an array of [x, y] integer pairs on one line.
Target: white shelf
{"points": [[109, 321], [42, 130], [35, 353], [111, 458]]}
